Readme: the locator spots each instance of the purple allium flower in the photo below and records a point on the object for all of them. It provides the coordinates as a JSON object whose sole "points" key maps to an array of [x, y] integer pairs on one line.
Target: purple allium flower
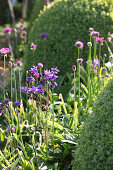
{"points": [[7, 30], [44, 35], [104, 56], [6, 102], [94, 34], [30, 79], [40, 65], [53, 84], [40, 90], [100, 40], [54, 70], [19, 63], [79, 60], [107, 75], [74, 67], [79, 44], [49, 75], [24, 89], [89, 44], [17, 103], [96, 62], [13, 65], [29, 95], [33, 46], [91, 29], [10, 64], [4, 51], [0, 103]]}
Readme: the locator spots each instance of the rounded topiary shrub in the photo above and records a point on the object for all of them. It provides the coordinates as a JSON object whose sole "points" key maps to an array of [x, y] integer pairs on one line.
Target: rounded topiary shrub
{"points": [[65, 22], [94, 150]]}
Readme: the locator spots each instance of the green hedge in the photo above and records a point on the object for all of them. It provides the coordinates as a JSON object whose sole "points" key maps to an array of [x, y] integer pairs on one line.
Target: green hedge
{"points": [[95, 145], [67, 21]]}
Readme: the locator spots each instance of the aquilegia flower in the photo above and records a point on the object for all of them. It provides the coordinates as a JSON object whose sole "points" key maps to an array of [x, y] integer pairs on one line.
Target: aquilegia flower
{"points": [[30, 80], [53, 84], [44, 35], [96, 62], [54, 70], [100, 40], [79, 60], [33, 46], [34, 70], [17, 103], [24, 89], [6, 102], [79, 44], [7, 30], [94, 34], [40, 89], [4, 51], [107, 75]]}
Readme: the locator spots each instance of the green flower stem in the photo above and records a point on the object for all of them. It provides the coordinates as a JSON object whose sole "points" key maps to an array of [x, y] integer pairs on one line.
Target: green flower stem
{"points": [[4, 78], [11, 83], [79, 93], [89, 78], [15, 84], [74, 90], [94, 55], [19, 84]]}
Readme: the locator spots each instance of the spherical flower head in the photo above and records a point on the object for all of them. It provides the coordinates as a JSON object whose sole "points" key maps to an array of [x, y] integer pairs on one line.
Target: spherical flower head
{"points": [[17, 103], [74, 67], [7, 30], [105, 55], [111, 57], [13, 65], [91, 29], [89, 44], [10, 64], [107, 75], [94, 34], [4, 51], [19, 63], [40, 65], [103, 68], [79, 44], [33, 46], [53, 84], [44, 35], [79, 60], [24, 32], [100, 40]]}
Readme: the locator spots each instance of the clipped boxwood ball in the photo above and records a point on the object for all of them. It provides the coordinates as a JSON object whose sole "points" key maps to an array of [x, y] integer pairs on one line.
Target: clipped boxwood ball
{"points": [[65, 22], [94, 150]]}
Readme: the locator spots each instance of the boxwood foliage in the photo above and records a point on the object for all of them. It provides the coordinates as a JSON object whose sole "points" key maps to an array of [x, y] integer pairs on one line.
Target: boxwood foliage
{"points": [[65, 22], [95, 144]]}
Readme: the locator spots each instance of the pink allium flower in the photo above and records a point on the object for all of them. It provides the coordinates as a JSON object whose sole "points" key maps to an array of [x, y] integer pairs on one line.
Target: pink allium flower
{"points": [[94, 34], [4, 51], [7, 30], [79, 44], [74, 67], [33, 46], [24, 32], [91, 29], [40, 64], [19, 63], [100, 40], [79, 60]]}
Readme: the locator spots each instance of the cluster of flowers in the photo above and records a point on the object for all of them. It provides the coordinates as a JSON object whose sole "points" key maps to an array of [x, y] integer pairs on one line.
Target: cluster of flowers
{"points": [[37, 82]]}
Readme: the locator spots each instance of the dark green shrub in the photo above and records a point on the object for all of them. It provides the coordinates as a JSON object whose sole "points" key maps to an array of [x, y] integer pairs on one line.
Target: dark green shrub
{"points": [[95, 145], [67, 21]]}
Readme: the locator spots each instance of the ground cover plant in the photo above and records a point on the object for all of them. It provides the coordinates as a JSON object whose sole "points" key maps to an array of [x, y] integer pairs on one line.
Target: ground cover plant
{"points": [[38, 129], [66, 22]]}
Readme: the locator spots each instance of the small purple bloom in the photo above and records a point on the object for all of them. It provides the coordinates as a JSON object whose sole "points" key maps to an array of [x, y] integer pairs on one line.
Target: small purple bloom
{"points": [[79, 44], [104, 56], [104, 68], [34, 70], [19, 63], [40, 90], [111, 57], [29, 95], [100, 40], [17, 103], [89, 44], [44, 35], [40, 65], [7, 30], [53, 84], [54, 70], [6, 102], [79, 60], [33, 46], [24, 89], [30, 79], [33, 89], [4, 51], [94, 34], [96, 62], [107, 75], [74, 67], [0, 103], [24, 32]]}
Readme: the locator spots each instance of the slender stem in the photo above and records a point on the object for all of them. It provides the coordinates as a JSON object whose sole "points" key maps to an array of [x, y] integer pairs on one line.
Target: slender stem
{"points": [[89, 80], [11, 83], [19, 83], [15, 85], [4, 78], [74, 88]]}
